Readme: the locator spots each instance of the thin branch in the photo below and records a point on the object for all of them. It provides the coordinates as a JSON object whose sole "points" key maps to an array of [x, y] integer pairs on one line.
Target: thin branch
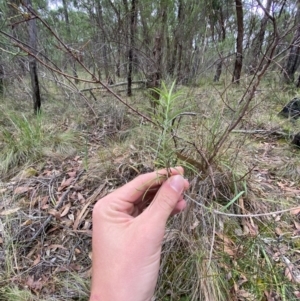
{"points": [[262, 132], [22, 21], [265, 11], [240, 215], [116, 85]]}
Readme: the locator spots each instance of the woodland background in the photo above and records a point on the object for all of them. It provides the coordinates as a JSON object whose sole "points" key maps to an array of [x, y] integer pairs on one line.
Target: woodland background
{"points": [[95, 92]]}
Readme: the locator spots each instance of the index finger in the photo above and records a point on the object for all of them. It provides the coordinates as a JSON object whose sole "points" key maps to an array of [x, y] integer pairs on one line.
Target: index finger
{"points": [[136, 188]]}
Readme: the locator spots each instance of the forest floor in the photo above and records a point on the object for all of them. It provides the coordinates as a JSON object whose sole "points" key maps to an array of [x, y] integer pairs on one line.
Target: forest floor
{"points": [[239, 238]]}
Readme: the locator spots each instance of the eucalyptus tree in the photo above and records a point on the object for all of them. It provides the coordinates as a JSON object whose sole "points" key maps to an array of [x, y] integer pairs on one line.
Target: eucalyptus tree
{"points": [[218, 18], [131, 53], [103, 38], [33, 36], [69, 36], [239, 42], [258, 41]]}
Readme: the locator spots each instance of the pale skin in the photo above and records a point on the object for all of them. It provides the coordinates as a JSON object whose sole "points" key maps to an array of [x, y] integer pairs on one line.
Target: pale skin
{"points": [[128, 230]]}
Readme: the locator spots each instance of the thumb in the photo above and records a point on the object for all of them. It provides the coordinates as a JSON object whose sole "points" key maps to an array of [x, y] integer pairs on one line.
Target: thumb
{"points": [[166, 199]]}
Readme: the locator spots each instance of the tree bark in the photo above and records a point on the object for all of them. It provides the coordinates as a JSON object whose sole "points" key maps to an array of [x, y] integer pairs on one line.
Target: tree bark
{"points": [[17, 34], [66, 15], [222, 37], [69, 37], [1, 79], [293, 60], [146, 36], [32, 31], [117, 11], [259, 39], [177, 35], [239, 42], [103, 40], [159, 44], [133, 22]]}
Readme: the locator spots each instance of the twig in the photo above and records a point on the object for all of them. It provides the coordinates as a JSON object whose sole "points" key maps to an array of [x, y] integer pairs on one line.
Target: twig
{"points": [[22, 21], [115, 85], [212, 244], [263, 132], [187, 114], [240, 215]]}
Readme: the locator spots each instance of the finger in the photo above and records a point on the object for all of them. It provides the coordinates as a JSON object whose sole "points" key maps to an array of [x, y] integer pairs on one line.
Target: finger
{"points": [[166, 200], [180, 206], [135, 189]]}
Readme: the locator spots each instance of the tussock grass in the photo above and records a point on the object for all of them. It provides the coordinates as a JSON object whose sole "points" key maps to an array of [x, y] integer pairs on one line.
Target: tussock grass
{"points": [[26, 140], [74, 286], [13, 293]]}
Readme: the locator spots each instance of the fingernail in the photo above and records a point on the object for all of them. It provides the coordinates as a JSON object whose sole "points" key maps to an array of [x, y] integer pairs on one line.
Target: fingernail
{"points": [[177, 183]]}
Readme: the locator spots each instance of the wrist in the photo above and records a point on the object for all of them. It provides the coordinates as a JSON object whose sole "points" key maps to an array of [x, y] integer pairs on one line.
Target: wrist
{"points": [[102, 296]]}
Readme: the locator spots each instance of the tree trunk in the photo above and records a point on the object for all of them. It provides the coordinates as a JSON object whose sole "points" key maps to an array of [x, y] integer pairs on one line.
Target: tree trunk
{"points": [[19, 59], [298, 82], [222, 37], [293, 59], [177, 35], [239, 42], [69, 37], [146, 36], [35, 86], [119, 44], [66, 15], [218, 70], [1, 79], [103, 40], [179, 73], [32, 31], [259, 39], [160, 41], [133, 22]]}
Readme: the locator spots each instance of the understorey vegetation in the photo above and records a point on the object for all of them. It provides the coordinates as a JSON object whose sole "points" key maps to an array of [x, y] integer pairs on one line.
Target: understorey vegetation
{"points": [[92, 95]]}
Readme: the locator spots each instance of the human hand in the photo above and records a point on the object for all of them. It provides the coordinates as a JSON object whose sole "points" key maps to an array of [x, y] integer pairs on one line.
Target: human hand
{"points": [[128, 229]]}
